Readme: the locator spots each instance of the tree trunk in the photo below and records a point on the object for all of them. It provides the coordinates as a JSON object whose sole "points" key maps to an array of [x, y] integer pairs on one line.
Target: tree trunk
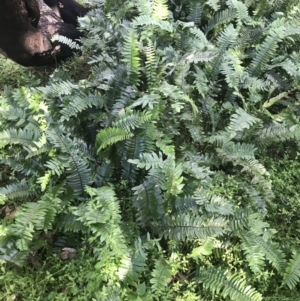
{"points": [[27, 27]]}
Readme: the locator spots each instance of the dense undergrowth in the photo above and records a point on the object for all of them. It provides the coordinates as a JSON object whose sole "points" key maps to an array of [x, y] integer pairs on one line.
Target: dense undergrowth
{"points": [[162, 164]]}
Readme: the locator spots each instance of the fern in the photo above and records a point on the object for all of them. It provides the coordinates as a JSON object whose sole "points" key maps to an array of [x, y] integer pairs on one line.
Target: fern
{"points": [[111, 136], [14, 191], [195, 11], [23, 137], [64, 40], [160, 9], [257, 248], [131, 57], [187, 226], [219, 18], [161, 275], [292, 272], [233, 286], [266, 51]]}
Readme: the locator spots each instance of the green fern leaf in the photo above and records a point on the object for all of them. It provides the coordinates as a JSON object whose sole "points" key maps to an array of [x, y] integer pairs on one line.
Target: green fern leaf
{"points": [[266, 51], [18, 136], [161, 275], [131, 57], [111, 136], [292, 272], [233, 286], [14, 191], [160, 9], [186, 225]]}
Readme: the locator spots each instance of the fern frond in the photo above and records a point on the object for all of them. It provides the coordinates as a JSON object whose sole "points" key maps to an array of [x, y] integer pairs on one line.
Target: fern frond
{"points": [[151, 65], [148, 21], [266, 51], [131, 57], [233, 286], [220, 18], [213, 203], [161, 275], [148, 201], [15, 191], [149, 161], [270, 250], [64, 40], [80, 103], [59, 88], [18, 136], [240, 220], [186, 225], [292, 272], [160, 9], [228, 37], [129, 120], [254, 256], [79, 174], [109, 136], [195, 11], [241, 120]]}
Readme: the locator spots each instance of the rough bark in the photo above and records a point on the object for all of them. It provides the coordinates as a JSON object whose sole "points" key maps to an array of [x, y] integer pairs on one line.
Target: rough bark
{"points": [[27, 26]]}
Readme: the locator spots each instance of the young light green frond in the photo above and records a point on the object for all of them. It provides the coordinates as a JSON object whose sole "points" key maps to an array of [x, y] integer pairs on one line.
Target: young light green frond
{"points": [[151, 65], [205, 249], [160, 9], [214, 4], [131, 57], [292, 272], [109, 136], [233, 286], [144, 7], [44, 180]]}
